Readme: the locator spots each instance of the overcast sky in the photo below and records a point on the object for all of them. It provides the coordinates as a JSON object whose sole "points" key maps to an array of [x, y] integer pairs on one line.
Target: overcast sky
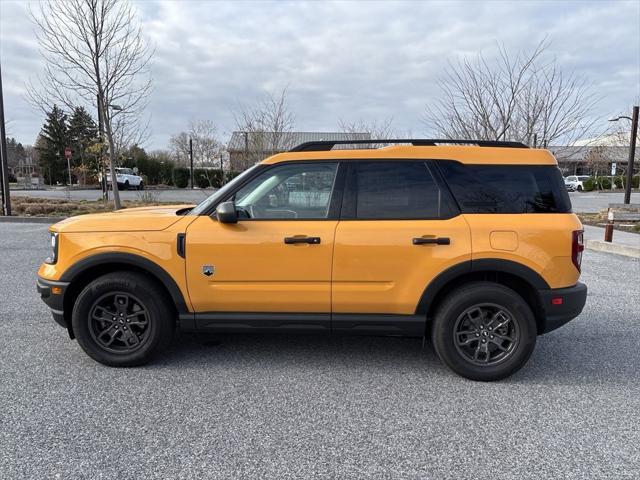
{"points": [[350, 60]]}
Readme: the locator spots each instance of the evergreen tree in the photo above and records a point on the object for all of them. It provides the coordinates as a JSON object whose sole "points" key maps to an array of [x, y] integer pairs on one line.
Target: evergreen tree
{"points": [[51, 143], [15, 152], [83, 133]]}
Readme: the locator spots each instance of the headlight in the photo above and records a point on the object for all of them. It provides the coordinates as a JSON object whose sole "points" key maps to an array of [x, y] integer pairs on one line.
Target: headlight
{"points": [[53, 258]]}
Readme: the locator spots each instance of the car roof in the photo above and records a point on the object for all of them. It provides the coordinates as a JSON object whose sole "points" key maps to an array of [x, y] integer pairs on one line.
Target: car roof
{"points": [[468, 154]]}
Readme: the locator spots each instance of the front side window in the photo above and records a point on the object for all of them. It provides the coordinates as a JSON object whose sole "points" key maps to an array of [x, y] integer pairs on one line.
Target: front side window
{"points": [[295, 191], [396, 190]]}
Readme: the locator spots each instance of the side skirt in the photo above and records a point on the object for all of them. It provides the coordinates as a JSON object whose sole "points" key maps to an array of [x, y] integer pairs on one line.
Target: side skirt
{"points": [[339, 323]]}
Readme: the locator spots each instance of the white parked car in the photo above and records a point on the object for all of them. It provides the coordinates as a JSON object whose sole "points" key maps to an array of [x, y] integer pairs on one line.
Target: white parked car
{"points": [[126, 179], [574, 182]]}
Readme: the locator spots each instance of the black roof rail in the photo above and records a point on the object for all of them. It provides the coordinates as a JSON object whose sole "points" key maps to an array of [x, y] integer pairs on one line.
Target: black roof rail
{"points": [[327, 145]]}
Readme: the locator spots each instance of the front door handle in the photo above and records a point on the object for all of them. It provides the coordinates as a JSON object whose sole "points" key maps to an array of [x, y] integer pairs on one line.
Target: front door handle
{"points": [[432, 241], [310, 240]]}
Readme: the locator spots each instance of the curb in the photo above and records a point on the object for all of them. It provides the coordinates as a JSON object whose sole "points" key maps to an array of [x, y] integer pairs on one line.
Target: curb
{"points": [[626, 250], [16, 219]]}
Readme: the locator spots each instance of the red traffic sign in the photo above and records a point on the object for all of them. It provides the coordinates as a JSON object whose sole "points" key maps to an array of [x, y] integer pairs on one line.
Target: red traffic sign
{"points": [[67, 152]]}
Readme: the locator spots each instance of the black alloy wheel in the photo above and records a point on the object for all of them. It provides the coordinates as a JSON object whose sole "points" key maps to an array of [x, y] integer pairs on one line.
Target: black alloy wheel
{"points": [[486, 334], [484, 331], [123, 319], [119, 322]]}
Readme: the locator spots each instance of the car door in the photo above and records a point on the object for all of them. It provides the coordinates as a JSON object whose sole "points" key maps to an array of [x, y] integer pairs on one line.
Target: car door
{"points": [[399, 230], [277, 257]]}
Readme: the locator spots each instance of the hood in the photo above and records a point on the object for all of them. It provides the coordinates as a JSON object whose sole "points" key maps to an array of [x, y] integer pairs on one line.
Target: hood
{"points": [[127, 220]]}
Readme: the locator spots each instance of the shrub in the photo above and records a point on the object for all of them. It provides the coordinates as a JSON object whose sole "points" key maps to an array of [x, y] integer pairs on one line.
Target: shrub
{"points": [[605, 183], [201, 178], [619, 181], [635, 181], [589, 184], [12, 178], [181, 177], [228, 176]]}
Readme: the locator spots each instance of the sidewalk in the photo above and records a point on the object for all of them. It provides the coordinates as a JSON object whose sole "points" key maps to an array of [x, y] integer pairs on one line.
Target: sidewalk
{"points": [[624, 243]]}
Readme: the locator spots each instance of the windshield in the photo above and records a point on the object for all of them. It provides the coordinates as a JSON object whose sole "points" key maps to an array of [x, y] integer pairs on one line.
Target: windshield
{"points": [[222, 193]]}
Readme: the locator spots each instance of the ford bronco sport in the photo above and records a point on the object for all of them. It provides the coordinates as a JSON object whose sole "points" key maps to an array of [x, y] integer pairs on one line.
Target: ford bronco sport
{"points": [[471, 243]]}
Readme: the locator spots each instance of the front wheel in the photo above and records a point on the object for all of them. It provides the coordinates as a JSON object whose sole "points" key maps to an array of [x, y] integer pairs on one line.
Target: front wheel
{"points": [[122, 319], [484, 331]]}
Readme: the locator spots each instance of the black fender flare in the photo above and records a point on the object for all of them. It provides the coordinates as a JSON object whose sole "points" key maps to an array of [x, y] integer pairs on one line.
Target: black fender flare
{"points": [[138, 261], [525, 273]]}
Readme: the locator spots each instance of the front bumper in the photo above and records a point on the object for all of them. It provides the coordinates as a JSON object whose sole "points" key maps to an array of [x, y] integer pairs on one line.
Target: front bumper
{"points": [[52, 293], [561, 305]]}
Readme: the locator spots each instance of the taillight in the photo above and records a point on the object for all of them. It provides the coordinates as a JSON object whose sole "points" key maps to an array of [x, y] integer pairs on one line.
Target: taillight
{"points": [[577, 247]]}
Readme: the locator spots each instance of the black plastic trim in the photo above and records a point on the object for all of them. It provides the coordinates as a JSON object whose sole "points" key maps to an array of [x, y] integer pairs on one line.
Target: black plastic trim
{"points": [[573, 301], [378, 324], [181, 244], [54, 302], [233, 322], [154, 269], [338, 323], [481, 265], [324, 146]]}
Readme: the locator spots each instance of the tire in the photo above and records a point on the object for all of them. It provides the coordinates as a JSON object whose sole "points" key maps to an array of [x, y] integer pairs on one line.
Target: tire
{"points": [[141, 186], [126, 185], [579, 188], [464, 331], [101, 316]]}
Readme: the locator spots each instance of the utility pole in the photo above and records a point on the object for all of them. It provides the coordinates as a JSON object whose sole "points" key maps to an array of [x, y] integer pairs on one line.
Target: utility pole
{"points": [[632, 150], [4, 161], [191, 161], [632, 155]]}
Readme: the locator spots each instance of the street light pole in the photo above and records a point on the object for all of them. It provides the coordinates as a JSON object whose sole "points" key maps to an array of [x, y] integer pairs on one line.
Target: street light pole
{"points": [[4, 161], [632, 155], [632, 151], [191, 161]]}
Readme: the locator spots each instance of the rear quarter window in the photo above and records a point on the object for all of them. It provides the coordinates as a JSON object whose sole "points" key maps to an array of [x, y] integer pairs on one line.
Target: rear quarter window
{"points": [[506, 188]]}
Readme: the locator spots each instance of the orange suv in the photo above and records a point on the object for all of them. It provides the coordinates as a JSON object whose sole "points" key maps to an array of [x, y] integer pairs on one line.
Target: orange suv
{"points": [[472, 243]]}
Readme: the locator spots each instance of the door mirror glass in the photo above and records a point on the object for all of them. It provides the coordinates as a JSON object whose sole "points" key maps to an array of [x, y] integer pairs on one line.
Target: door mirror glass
{"points": [[226, 213]]}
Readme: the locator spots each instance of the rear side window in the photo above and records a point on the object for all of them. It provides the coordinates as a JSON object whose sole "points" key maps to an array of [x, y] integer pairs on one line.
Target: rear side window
{"points": [[395, 190], [506, 188]]}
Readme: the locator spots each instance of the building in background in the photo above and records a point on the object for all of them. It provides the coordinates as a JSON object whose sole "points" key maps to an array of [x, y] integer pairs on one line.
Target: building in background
{"points": [[609, 154]]}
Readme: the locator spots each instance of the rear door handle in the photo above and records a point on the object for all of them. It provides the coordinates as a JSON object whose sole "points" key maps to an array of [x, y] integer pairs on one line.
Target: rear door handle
{"points": [[310, 240], [432, 241]]}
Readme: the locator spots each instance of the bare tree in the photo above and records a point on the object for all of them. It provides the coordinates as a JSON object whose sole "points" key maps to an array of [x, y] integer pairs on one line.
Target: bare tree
{"points": [[266, 126], [95, 55], [377, 129], [207, 149], [523, 98]]}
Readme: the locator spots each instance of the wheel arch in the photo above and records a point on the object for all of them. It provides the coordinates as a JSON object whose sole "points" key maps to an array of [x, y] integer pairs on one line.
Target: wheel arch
{"points": [[520, 278], [80, 274]]}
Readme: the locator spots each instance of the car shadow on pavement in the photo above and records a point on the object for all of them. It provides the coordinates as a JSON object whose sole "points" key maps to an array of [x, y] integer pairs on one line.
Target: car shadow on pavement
{"points": [[563, 358]]}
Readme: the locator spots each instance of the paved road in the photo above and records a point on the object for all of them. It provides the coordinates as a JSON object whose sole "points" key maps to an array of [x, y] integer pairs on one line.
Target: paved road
{"points": [[588, 202], [242, 406], [184, 195]]}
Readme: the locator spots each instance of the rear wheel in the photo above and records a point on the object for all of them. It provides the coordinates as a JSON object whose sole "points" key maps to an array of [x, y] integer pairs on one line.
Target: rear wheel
{"points": [[141, 186], [484, 331], [579, 188], [122, 319]]}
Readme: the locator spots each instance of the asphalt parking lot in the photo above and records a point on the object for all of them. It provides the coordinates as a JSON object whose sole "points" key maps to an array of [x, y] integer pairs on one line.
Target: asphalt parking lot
{"points": [[583, 202], [300, 407]]}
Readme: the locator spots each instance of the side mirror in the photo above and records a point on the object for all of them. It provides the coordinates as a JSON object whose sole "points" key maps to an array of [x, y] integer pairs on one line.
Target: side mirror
{"points": [[226, 213]]}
